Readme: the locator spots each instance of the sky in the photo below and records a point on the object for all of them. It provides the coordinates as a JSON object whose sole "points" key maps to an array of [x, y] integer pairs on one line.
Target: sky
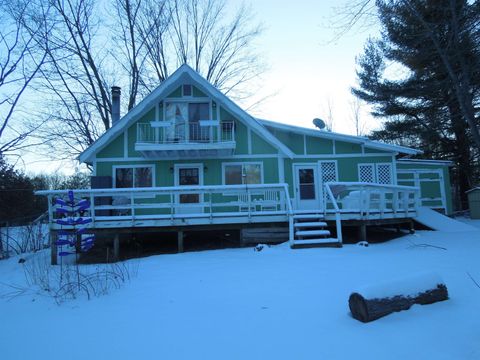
{"points": [[306, 70]]}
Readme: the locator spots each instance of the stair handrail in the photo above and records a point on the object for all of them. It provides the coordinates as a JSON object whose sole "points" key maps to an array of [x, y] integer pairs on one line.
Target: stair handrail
{"points": [[338, 220], [289, 209]]}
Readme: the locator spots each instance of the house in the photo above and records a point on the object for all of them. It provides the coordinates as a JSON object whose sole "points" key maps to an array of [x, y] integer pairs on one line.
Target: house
{"points": [[188, 157]]}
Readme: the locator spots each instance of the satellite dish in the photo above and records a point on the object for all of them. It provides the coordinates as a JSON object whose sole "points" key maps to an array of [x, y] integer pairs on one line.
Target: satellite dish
{"points": [[319, 123]]}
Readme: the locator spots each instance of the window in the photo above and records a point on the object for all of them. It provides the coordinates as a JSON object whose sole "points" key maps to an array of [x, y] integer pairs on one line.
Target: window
{"points": [[187, 90], [130, 177], [306, 178], [246, 173]]}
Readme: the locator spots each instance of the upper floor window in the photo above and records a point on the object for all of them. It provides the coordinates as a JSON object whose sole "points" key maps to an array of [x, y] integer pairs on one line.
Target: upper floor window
{"points": [[187, 90], [185, 121]]}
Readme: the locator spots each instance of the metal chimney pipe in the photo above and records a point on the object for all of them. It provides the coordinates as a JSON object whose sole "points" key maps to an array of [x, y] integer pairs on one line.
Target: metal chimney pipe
{"points": [[116, 92]]}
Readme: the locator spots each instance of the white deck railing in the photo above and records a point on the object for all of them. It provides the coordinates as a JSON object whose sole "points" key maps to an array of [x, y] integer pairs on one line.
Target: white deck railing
{"points": [[180, 202], [367, 199], [187, 132]]}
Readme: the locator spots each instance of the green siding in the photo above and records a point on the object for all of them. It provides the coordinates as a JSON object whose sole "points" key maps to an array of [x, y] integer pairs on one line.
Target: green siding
{"points": [[114, 149], [197, 93], [260, 146], [317, 146], [293, 141], [342, 147], [175, 93], [212, 169]]}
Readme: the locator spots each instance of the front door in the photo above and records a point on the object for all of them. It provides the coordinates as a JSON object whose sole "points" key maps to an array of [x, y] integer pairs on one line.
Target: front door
{"points": [[306, 189], [189, 175]]}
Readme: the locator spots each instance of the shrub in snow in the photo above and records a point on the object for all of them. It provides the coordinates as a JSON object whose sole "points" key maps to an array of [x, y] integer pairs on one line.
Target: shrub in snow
{"points": [[73, 281]]}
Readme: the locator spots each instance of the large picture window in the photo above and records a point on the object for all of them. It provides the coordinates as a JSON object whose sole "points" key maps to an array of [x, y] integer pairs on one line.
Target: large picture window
{"points": [[245, 173], [133, 177]]}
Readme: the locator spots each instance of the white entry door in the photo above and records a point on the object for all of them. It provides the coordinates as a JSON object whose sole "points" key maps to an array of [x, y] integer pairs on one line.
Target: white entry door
{"points": [[189, 175], [306, 187]]}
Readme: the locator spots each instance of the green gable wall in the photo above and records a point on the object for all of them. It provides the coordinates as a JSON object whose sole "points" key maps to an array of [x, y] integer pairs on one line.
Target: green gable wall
{"points": [[175, 93], [260, 146], [114, 149]]}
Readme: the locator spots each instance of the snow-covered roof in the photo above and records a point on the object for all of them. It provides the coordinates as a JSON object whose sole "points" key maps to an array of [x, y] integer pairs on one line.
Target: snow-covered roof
{"points": [[341, 137], [184, 74]]}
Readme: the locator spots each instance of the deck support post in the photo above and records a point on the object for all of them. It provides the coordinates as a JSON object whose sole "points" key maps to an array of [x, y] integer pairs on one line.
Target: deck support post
{"points": [[412, 227], [180, 241], [362, 232], [116, 247], [53, 247]]}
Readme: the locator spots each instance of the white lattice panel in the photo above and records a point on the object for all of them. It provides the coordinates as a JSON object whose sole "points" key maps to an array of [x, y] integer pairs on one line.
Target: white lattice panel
{"points": [[366, 173], [329, 171], [384, 173]]}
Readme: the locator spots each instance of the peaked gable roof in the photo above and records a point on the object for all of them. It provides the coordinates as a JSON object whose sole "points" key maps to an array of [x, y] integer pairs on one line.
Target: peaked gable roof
{"points": [[183, 74], [341, 137]]}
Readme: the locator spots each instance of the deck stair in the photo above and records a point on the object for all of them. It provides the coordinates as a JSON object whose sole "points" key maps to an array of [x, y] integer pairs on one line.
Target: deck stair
{"points": [[310, 230]]}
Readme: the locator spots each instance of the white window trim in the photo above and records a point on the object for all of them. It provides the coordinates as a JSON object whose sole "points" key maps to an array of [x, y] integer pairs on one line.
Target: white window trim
{"points": [[115, 167], [224, 164]]}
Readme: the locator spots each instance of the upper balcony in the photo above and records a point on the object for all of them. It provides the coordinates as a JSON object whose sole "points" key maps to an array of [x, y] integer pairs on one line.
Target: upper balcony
{"points": [[186, 139]]}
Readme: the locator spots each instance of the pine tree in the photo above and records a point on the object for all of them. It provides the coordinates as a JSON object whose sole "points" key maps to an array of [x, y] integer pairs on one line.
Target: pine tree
{"points": [[423, 76]]}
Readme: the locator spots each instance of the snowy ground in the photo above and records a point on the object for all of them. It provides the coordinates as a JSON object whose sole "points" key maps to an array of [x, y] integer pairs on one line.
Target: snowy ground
{"points": [[274, 304]]}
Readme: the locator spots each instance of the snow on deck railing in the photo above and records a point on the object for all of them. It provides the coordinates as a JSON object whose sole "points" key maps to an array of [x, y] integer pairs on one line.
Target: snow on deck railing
{"points": [[371, 198], [338, 220], [180, 201]]}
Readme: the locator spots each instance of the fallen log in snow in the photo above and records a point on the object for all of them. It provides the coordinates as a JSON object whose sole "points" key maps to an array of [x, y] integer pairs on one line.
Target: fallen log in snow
{"points": [[375, 302]]}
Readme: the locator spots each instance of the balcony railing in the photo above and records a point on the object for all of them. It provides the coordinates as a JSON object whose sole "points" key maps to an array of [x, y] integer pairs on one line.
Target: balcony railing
{"points": [[204, 131]]}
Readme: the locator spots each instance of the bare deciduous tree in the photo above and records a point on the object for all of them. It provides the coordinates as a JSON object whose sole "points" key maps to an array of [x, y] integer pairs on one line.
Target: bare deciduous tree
{"points": [[20, 62], [151, 39], [356, 116]]}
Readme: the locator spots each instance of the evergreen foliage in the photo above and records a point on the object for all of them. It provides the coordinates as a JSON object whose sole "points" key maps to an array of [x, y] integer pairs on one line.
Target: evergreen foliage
{"points": [[423, 76]]}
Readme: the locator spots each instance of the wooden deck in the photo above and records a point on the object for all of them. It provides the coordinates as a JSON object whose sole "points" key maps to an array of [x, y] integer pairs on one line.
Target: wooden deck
{"points": [[187, 206]]}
